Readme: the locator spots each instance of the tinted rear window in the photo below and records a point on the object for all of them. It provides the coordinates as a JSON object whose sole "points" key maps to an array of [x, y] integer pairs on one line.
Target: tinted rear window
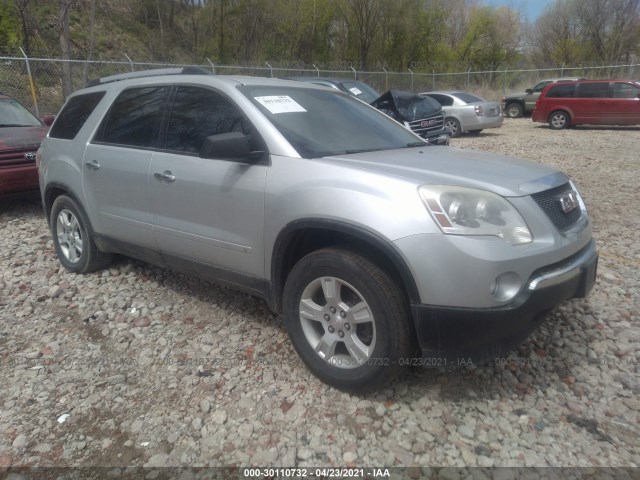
{"points": [[134, 118], [561, 90], [74, 115], [592, 90]]}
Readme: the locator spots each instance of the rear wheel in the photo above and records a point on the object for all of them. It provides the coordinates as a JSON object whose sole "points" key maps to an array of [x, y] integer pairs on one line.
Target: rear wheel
{"points": [[514, 110], [559, 120], [453, 126], [72, 238], [347, 319]]}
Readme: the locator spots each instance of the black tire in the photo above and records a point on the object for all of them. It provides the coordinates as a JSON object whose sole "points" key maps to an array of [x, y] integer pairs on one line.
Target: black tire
{"points": [[513, 110], [474, 132], [559, 120], [453, 126], [72, 238], [370, 294]]}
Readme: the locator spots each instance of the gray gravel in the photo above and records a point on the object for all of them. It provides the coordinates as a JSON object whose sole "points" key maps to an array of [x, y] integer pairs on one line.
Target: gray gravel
{"points": [[139, 366]]}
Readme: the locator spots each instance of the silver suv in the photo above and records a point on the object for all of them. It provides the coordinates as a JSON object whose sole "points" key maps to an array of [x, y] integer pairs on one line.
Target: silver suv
{"points": [[379, 250]]}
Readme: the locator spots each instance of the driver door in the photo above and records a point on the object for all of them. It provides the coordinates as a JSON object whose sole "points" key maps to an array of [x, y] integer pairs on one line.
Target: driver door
{"points": [[207, 212]]}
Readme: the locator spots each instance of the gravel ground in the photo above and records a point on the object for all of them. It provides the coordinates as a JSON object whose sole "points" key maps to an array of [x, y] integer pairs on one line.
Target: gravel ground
{"points": [[139, 366]]}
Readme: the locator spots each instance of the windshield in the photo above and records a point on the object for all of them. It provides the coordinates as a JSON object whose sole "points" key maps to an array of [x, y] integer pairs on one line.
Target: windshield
{"points": [[360, 90], [467, 97], [12, 114], [321, 123]]}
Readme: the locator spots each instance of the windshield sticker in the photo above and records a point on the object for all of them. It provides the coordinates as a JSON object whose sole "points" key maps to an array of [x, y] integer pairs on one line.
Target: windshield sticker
{"points": [[355, 90], [280, 104]]}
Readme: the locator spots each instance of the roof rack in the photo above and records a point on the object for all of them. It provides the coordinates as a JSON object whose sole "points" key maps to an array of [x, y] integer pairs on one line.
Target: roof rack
{"points": [[149, 73]]}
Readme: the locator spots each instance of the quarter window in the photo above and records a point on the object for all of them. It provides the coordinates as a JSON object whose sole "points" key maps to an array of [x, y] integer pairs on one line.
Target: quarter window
{"points": [[198, 113], [135, 117], [74, 115]]}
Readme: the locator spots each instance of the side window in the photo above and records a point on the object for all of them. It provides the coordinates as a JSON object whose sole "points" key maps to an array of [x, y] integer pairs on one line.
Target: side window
{"points": [[443, 100], [625, 90], [74, 115], [198, 113], [561, 90], [539, 87], [593, 90], [135, 117]]}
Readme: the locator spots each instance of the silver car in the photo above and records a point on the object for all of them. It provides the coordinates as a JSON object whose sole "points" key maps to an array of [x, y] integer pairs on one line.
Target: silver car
{"points": [[465, 112], [379, 250]]}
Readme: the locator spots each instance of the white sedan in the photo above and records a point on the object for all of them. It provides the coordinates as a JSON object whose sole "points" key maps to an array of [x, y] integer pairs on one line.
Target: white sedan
{"points": [[465, 112]]}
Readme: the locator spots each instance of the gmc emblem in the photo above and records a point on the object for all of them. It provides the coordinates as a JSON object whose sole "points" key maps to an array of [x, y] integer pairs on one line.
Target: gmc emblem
{"points": [[568, 201], [428, 123]]}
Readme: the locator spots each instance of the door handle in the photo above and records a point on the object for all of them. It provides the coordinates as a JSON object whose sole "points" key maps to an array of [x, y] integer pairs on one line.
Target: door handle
{"points": [[93, 165], [165, 176]]}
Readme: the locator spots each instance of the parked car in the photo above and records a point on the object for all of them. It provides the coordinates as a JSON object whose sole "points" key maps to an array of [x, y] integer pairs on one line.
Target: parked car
{"points": [[379, 250], [465, 112], [20, 137], [591, 102], [356, 88], [423, 117], [517, 104]]}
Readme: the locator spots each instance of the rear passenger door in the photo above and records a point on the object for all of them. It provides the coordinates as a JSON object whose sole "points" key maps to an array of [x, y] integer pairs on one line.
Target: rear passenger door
{"points": [[116, 165], [625, 103], [593, 104], [207, 212]]}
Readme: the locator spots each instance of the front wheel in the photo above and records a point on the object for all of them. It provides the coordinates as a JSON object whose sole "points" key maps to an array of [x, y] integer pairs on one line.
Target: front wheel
{"points": [[453, 126], [347, 319], [514, 110], [72, 238], [559, 120]]}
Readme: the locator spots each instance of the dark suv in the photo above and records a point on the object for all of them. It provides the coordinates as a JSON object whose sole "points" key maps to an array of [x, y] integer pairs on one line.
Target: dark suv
{"points": [[20, 137]]}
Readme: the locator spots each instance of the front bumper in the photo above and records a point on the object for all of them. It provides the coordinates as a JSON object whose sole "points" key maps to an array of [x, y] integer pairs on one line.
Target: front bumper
{"points": [[448, 334]]}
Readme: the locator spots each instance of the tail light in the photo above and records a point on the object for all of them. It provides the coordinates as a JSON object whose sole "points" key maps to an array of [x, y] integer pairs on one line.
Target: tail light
{"points": [[479, 110]]}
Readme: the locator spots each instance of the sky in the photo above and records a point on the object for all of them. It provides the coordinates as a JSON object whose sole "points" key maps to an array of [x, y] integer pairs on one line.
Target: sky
{"points": [[531, 8]]}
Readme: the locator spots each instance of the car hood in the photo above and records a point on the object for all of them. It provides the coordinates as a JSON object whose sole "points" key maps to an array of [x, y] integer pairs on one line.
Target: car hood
{"points": [[14, 138], [516, 95], [506, 176]]}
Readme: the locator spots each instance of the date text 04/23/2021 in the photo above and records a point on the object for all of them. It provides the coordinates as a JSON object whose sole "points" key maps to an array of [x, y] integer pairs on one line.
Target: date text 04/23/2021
{"points": [[320, 473]]}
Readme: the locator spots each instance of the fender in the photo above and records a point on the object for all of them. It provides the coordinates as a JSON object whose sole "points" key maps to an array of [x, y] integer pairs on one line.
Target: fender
{"points": [[283, 242]]}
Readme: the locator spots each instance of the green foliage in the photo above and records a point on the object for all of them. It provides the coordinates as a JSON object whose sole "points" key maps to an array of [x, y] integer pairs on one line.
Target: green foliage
{"points": [[423, 35]]}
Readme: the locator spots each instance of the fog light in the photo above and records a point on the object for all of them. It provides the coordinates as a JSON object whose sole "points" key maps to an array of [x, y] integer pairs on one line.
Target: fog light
{"points": [[506, 286]]}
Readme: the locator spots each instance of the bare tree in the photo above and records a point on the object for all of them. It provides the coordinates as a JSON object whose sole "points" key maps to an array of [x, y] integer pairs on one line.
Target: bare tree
{"points": [[365, 16], [65, 46]]}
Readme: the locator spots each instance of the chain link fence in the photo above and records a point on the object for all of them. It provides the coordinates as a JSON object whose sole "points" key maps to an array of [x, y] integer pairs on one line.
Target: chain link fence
{"points": [[37, 82]]}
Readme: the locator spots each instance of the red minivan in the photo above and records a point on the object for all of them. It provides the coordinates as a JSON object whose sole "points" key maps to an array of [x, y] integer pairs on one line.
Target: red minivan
{"points": [[589, 102]]}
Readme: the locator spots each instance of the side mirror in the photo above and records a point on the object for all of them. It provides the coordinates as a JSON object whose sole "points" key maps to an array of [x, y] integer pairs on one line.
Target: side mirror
{"points": [[48, 120], [229, 146], [529, 91]]}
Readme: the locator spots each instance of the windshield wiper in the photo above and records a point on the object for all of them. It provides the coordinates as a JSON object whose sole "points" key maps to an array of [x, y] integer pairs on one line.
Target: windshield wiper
{"points": [[416, 144], [362, 150], [13, 125]]}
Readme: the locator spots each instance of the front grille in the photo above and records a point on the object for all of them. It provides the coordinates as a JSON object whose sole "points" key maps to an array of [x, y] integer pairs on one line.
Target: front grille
{"points": [[426, 126], [16, 158], [549, 202]]}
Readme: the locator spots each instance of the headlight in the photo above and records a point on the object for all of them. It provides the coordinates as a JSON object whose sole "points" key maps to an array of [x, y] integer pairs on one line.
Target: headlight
{"points": [[469, 211]]}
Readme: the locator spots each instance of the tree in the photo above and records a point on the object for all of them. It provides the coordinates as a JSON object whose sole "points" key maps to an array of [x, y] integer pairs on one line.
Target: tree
{"points": [[65, 46]]}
